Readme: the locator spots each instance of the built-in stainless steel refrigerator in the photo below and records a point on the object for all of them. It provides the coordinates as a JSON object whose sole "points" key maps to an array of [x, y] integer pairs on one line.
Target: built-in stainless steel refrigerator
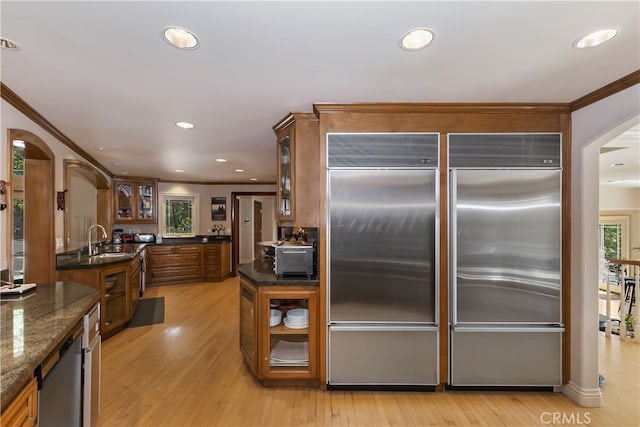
{"points": [[505, 240], [382, 259]]}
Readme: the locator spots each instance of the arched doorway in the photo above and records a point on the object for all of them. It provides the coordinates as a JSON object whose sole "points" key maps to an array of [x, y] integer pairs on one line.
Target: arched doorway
{"points": [[88, 201], [30, 246]]}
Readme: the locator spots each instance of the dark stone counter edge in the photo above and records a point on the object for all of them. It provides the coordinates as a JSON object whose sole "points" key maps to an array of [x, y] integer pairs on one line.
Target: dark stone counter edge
{"points": [[260, 273], [71, 261], [28, 369]]}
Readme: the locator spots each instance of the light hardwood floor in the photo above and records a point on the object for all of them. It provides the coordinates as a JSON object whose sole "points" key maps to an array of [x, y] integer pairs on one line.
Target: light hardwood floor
{"points": [[188, 371]]}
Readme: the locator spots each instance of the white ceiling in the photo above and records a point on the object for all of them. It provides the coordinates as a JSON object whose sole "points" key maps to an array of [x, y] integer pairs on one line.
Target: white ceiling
{"points": [[101, 73]]}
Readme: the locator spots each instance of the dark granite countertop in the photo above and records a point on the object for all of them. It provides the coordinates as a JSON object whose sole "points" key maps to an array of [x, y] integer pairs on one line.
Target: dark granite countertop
{"points": [[194, 240], [32, 326], [109, 254], [260, 272]]}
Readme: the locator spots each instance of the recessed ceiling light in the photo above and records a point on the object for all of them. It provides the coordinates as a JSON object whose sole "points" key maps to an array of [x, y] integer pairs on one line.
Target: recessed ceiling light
{"points": [[8, 44], [185, 125], [124, 173], [416, 39], [18, 143], [180, 38], [100, 148], [615, 165], [253, 179], [596, 38], [221, 160], [239, 170], [179, 170], [116, 163]]}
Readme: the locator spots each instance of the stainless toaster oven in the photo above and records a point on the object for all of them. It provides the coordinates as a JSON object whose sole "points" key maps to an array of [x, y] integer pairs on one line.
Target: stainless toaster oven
{"points": [[294, 259]]}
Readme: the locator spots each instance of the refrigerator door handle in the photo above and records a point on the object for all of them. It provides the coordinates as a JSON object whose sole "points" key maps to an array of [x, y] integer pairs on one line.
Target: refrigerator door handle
{"points": [[550, 328], [453, 266], [387, 328]]}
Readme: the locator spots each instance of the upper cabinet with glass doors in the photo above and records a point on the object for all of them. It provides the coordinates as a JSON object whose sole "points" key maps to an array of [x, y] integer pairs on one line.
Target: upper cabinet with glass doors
{"points": [[135, 201], [298, 170]]}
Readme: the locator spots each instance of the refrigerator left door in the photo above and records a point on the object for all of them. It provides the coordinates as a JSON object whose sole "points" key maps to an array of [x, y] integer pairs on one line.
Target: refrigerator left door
{"points": [[382, 243]]}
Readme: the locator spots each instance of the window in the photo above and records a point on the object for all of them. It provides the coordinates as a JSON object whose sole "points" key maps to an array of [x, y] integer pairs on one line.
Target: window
{"points": [[612, 238], [179, 215]]}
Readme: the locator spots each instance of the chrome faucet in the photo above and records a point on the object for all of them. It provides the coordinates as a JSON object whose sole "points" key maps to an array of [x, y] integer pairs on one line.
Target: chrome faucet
{"points": [[93, 250]]}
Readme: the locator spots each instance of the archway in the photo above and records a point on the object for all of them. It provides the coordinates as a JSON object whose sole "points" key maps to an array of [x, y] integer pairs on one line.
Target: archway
{"points": [[85, 184], [30, 246]]}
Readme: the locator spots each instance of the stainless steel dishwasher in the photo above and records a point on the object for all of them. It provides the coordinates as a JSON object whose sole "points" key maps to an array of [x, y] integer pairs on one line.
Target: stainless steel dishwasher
{"points": [[60, 384]]}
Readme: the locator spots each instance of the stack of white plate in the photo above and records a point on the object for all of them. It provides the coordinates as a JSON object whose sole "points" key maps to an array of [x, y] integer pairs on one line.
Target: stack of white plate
{"points": [[287, 353], [297, 318]]}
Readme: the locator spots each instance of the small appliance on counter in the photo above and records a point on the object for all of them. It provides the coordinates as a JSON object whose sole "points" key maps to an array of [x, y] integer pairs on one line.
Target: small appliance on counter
{"points": [[144, 237], [294, 259], [116, 236]]}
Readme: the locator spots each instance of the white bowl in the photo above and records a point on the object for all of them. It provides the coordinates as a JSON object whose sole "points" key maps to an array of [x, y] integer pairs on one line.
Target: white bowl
{"points": [[298, 316], [275, 316]]}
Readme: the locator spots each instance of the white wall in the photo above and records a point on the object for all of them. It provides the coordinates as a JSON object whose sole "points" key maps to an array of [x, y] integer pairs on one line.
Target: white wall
{"points": [[81, 207], [205, 193], [617, 201], [592, 127], [13, 119]]}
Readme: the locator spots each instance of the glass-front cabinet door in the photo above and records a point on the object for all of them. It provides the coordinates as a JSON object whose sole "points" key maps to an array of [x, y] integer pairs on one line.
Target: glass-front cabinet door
{"points": [[124, 202], [285, 178], [135, 201], [291, 347], [146, 202]]}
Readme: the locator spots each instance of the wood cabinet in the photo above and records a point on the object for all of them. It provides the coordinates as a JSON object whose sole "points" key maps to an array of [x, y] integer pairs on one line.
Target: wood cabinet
{"points": [[115, 301], [174, 263], [298, 155], [135, 201], [284, 353], [188, 263], [249, 324], [119, 285], [134, 284], [22, 411], [215, 262]]}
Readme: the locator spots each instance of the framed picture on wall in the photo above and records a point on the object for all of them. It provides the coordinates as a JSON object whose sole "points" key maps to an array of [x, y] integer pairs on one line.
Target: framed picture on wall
{"points": [[218, 208]]}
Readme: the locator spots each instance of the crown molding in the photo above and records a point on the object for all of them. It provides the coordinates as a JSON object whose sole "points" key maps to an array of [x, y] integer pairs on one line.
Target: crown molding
{"points": [[21, 105], [606, 91]]}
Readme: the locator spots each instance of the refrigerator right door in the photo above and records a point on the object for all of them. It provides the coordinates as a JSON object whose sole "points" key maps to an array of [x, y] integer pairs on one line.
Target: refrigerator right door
{"points": [[505, 238], [506, 242]]}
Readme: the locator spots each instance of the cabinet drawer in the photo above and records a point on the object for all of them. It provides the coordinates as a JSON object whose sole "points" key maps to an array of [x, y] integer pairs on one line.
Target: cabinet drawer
{"points": [[175, 260], [175, 274], [212, 250]]}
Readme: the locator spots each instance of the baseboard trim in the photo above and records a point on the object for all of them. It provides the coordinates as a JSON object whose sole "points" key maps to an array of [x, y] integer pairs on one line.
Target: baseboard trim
{"points": [[587, 398]]}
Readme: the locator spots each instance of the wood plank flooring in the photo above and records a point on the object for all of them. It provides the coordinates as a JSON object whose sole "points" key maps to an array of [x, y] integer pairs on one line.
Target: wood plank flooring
{"points": [[188, 371]]}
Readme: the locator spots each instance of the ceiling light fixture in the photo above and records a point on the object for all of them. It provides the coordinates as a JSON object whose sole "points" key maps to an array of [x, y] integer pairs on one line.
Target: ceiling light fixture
{"points": [[596, 38], [221, 160], [179, 170], [8, 44], [253, 179], [416, 39], [239, 170], [180, 38], [185, 125], [615, 165]]}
